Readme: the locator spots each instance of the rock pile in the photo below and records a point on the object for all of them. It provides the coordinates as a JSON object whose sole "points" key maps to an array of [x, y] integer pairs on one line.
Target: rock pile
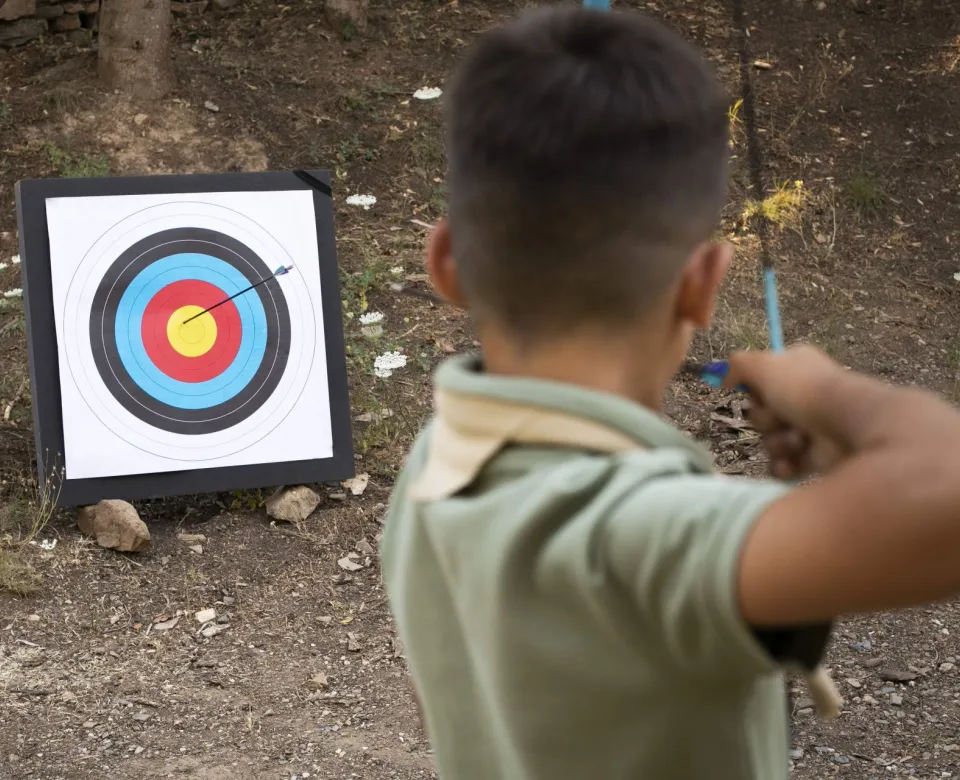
{"points": [[24, 20]]}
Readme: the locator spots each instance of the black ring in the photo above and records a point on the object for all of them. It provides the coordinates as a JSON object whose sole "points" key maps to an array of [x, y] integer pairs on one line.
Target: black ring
{"points": [[107, 357]]}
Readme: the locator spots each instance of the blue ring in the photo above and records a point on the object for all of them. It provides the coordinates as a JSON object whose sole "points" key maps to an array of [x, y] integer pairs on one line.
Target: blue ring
{"points": [[136, 361]]}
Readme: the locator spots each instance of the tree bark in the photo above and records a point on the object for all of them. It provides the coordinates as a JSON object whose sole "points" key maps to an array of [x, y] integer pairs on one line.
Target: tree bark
{"points": [[136, 54]]}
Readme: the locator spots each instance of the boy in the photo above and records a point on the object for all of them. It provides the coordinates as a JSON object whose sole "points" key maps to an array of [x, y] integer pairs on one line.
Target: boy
{"points": [[578, 595]]}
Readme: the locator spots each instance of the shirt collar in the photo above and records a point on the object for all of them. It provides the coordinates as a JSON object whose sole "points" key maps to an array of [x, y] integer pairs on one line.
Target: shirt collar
{"points": [[477, 414], [465, 375]]}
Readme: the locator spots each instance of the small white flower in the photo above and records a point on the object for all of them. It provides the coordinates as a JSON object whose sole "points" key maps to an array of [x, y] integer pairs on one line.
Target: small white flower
{"points": [[387, 363], [956, 277], [364, 201], [3, 266], [371, 318], [397, 270], [48, 544], [16, 292], [428, 93], [15, 259]]}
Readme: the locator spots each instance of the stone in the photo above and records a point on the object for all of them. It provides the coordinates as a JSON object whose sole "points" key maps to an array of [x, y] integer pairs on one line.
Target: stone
{"points": [[192, 7], [17, 9], [115, 525], [66, 23], [896, 699], [897, 675], [946, 667], [73, 8], [21, 31], [205, 615], [292, 505], [49, 11], [347, 16], [81, 38]]}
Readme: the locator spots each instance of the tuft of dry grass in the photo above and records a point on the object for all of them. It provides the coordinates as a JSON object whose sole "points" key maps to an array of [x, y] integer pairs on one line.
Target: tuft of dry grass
{"points": [[17, 576], [783, 208]]}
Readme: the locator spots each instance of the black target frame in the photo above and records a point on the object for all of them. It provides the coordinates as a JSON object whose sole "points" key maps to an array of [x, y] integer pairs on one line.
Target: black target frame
{"points": [[31, 196]]}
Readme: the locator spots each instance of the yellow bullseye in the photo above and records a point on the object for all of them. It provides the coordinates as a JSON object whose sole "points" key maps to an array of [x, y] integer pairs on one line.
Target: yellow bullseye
{"points": [[194, 338]]}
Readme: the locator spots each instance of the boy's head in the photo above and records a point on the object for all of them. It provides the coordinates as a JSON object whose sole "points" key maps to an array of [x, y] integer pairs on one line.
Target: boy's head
{"points": [[587, 168]]}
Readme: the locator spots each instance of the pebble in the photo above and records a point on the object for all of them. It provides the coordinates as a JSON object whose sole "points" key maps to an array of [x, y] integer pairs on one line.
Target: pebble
{"points": [[946, 667], [896, 699], [897, 675], [853, 683], [841, 759], [796, 754], [211, 106], [33, 618]]}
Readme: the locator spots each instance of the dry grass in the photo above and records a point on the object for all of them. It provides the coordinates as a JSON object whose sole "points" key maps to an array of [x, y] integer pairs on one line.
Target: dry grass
{"points": [[17, 576], [783, 208]]}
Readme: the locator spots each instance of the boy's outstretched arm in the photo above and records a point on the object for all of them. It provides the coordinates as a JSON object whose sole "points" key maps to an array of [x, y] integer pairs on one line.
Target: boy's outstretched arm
{"points": [[881, 528]]}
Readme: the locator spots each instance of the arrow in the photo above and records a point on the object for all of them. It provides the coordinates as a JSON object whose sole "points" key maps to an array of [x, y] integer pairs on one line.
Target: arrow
{"points": [[283, 269]]}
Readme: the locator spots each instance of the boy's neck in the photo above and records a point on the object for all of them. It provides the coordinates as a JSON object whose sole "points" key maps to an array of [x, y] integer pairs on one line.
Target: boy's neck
{"points": [[639, 372]]}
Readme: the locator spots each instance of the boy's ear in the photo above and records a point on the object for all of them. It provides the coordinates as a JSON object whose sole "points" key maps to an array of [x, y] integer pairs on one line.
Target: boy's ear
{"points": [[441, 268], [700, 283]]}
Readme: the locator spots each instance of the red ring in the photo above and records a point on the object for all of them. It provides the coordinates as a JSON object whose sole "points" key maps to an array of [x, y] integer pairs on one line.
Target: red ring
{"points": [[153, 331]]}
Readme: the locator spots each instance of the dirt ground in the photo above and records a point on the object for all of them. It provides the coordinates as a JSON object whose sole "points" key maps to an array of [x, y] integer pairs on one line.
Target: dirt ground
{"points": [[102, 670]]}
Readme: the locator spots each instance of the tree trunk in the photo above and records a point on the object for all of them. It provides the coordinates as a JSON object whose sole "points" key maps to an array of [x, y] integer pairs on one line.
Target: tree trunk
{"points": [[135, 49], [347, 17]]}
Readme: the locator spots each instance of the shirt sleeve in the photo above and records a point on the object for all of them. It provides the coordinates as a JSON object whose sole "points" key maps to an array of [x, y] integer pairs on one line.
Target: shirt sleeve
{"points": [[659, 564], [674, 547]]}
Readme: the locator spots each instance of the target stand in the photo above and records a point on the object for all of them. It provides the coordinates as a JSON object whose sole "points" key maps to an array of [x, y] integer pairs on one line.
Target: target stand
{"points": [[184, 333]]}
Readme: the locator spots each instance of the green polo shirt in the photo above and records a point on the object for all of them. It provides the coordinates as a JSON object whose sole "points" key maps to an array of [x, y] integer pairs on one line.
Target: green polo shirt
{"points": [[573, 614]]}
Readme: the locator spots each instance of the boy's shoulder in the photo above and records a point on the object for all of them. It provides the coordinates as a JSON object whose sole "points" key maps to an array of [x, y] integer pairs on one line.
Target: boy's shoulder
{"points": [[597, 510], [537, 448]]}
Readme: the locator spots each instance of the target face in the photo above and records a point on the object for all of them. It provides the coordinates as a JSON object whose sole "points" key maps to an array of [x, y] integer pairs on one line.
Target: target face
{"points": [[173, 348], [183, 341]]}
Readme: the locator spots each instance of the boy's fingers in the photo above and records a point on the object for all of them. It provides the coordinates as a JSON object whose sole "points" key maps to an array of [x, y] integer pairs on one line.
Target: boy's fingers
{"points": [[763, 420], [788, 443]]}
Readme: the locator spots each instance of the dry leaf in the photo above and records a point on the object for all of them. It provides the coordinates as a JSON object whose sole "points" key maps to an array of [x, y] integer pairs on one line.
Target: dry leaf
{"points": [[318, 681], [213, 629], [363, 546], [356, 485], [348, 564], [166, 625]]}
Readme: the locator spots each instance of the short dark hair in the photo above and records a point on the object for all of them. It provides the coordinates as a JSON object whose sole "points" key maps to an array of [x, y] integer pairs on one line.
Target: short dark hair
{"points": [[587, 157]]}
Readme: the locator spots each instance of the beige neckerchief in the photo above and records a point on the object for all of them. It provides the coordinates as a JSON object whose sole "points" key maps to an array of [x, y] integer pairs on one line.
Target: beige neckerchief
{"points": [[469, 430]]}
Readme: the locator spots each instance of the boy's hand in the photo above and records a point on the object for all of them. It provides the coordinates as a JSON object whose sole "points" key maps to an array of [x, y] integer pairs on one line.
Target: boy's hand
{"points": [[788, 391], [881, 528]]}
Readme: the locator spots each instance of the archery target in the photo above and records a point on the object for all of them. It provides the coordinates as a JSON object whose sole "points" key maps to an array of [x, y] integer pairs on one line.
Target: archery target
{"points": [[179, 339]]}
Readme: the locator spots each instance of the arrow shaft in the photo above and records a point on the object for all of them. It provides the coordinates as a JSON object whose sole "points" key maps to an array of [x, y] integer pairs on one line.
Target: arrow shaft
{"points": [[227, 300]]}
